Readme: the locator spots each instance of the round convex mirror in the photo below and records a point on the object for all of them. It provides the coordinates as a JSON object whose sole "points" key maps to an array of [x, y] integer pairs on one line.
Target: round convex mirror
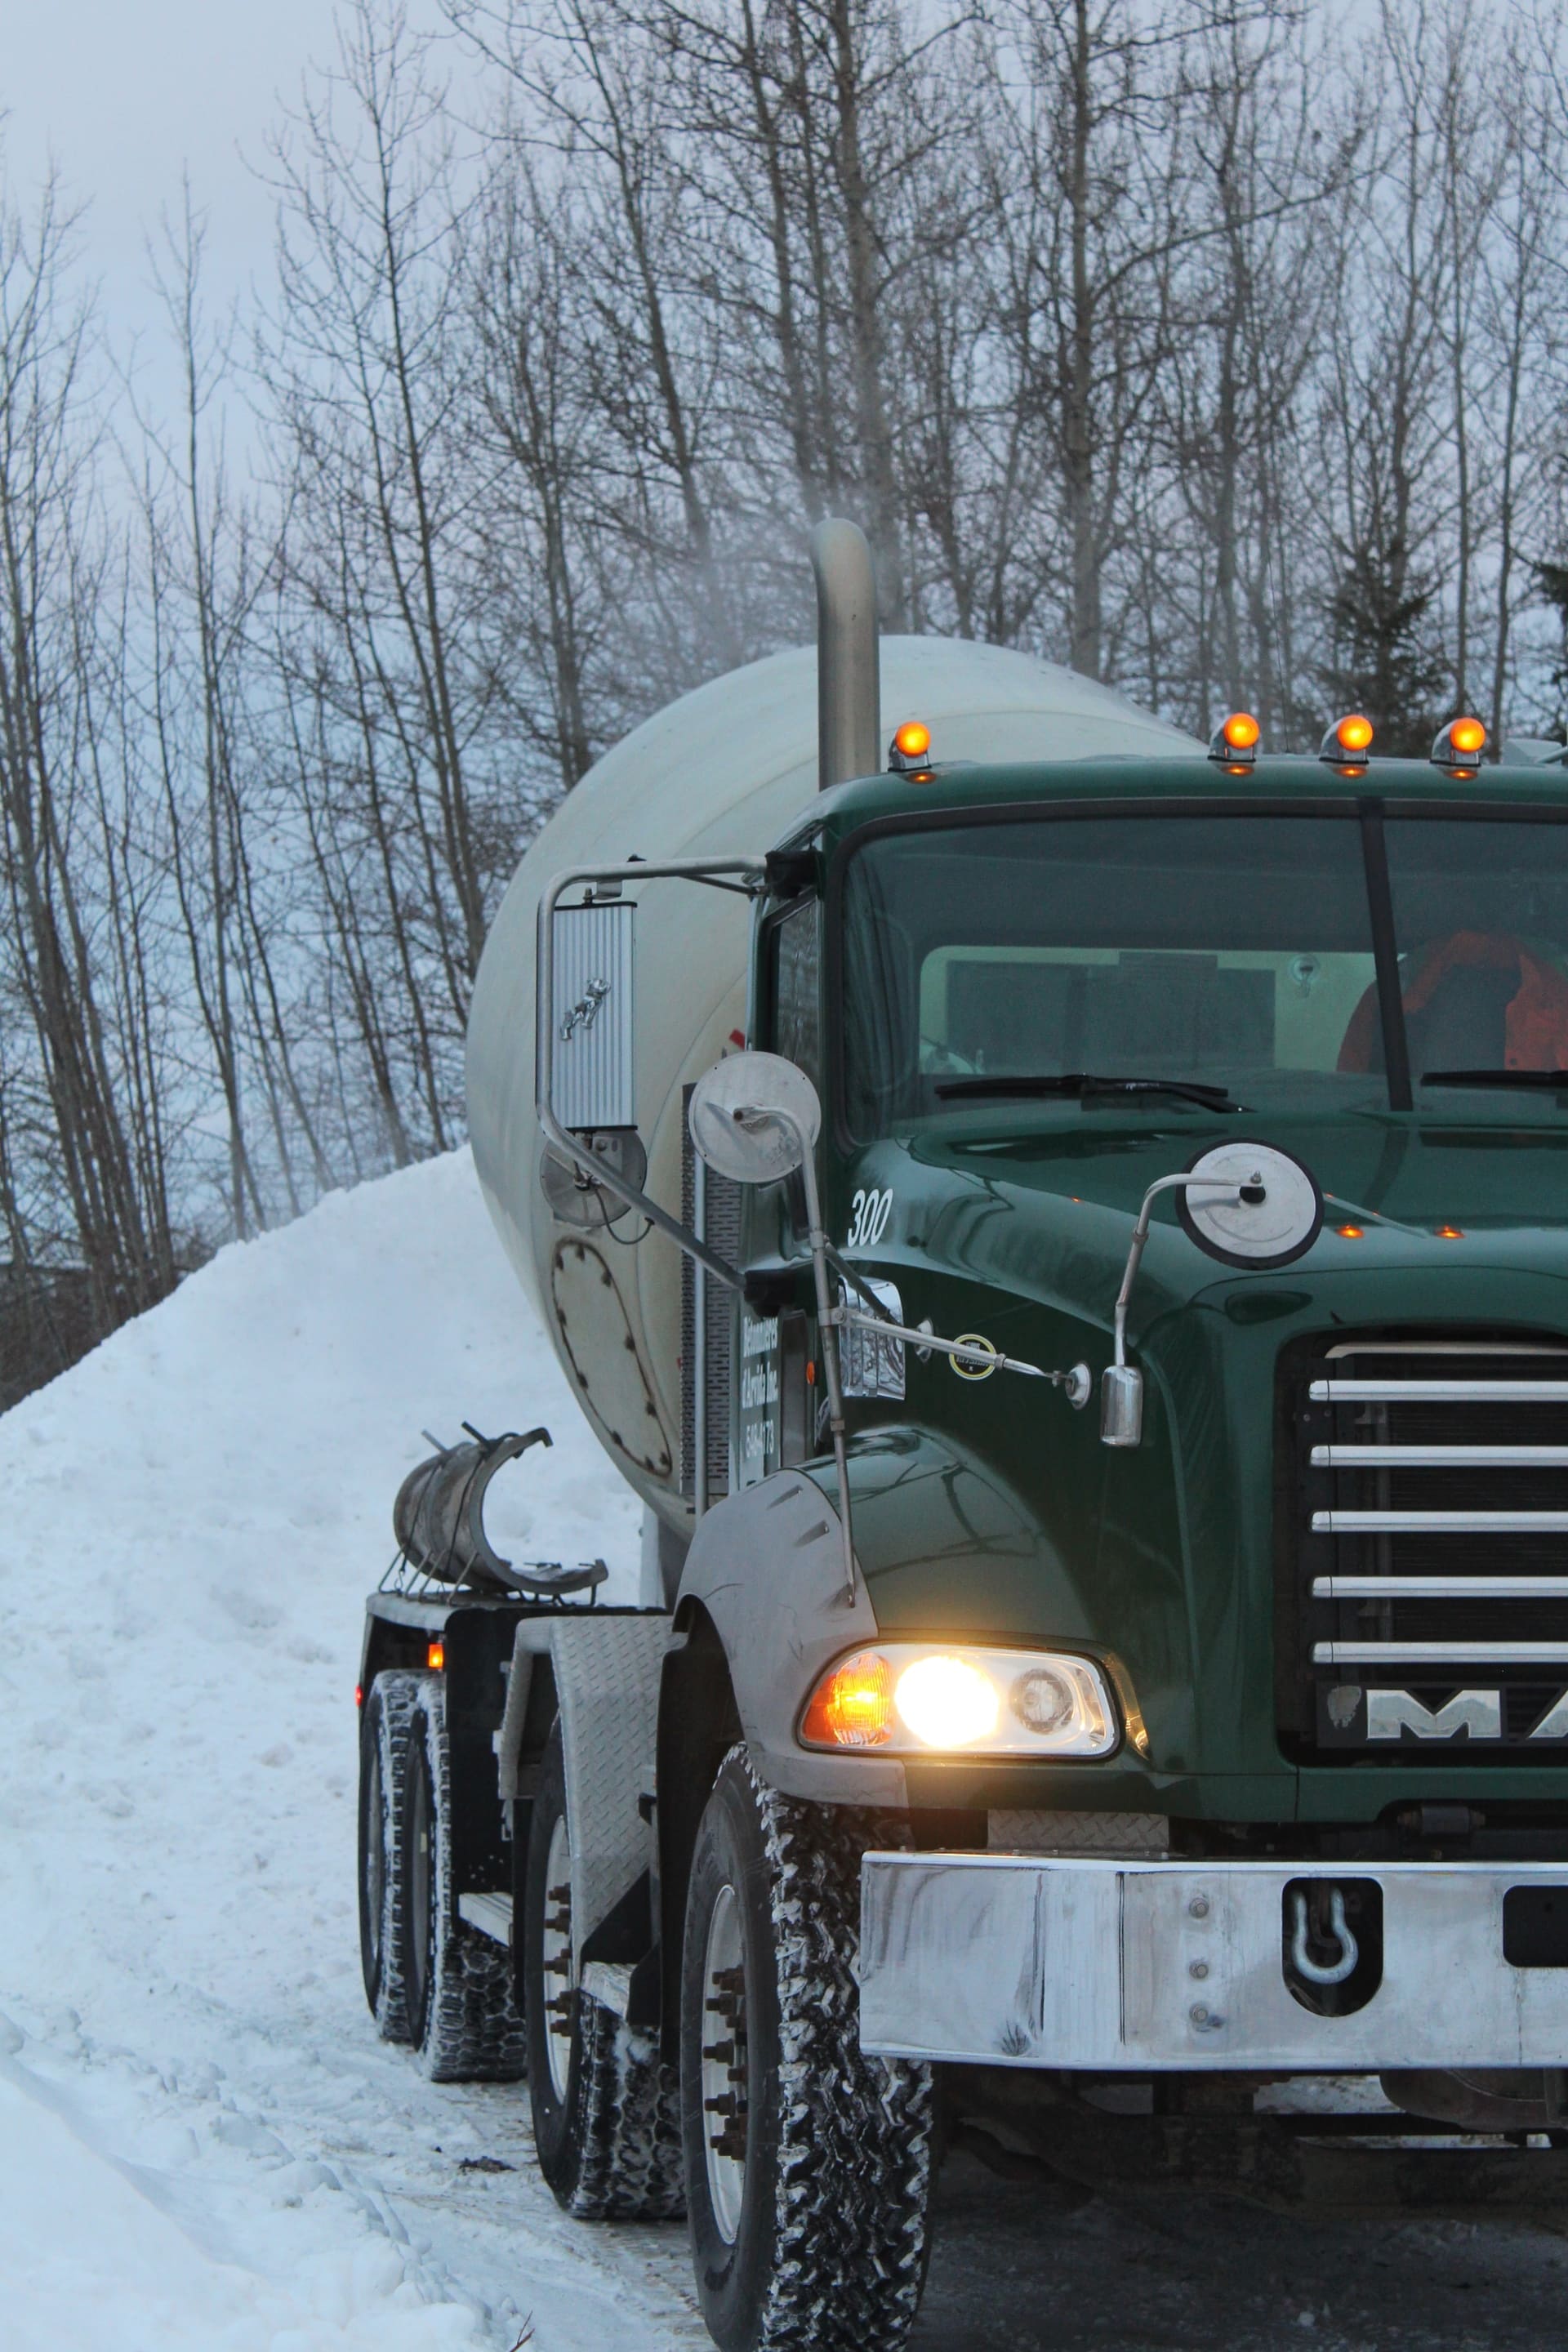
{"points": [[748, 1116], [1276, 1220]]}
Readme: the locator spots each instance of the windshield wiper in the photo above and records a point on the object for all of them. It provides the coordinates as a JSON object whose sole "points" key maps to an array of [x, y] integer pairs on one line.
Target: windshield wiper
{"points": [[1083, 1083], [1544, 1081]]}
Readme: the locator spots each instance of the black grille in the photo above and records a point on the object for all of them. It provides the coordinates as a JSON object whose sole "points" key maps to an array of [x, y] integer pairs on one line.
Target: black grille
{"points": [[1476, 1657]]}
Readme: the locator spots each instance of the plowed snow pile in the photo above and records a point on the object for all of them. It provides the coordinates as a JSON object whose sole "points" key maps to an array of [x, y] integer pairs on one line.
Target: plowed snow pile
{"points": [[201, 2143]]}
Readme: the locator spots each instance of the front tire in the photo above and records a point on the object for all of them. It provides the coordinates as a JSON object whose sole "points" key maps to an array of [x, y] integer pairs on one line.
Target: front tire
{"points": [[462, 2018], [808, 2164], [606, 2108]]}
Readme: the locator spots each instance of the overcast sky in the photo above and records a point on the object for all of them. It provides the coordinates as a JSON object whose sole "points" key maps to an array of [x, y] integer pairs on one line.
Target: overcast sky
{"points": [[121, 95]]}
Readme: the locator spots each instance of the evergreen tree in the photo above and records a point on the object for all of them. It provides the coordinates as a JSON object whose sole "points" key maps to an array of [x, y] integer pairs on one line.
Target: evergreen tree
{"points": [[1552, 581], [1387, 659]]}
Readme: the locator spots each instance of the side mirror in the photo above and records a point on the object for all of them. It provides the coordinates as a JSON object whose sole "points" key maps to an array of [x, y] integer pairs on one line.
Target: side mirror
{"points": [[1271, 1218], [1247, 1204], [754, 1117]]}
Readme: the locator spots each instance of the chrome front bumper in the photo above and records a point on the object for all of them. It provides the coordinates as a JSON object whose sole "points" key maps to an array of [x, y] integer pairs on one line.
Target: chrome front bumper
{"points": [[1029, 1960]]}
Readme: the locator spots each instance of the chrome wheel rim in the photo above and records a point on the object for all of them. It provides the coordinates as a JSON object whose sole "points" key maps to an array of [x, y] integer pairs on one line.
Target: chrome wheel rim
{"points": [[555, 1957], [724, 2065]]}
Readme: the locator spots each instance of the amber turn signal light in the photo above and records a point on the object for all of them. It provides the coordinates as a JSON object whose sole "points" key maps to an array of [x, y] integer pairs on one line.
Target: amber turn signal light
{"points": [[1235, 741], [853, 1705], [435, 1658], [1347, 742], [1460, 744]]}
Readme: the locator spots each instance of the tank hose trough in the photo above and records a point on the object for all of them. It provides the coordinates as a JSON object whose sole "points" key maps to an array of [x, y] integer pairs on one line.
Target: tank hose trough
{"points": [[438, 1520]]}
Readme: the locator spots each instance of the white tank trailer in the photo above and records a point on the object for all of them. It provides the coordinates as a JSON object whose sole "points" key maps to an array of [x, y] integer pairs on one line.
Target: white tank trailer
{"points": [[726, 771]]}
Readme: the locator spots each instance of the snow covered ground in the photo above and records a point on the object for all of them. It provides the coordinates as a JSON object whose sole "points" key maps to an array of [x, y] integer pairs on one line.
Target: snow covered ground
{"points": [[202, 2142], [203, 2147]]}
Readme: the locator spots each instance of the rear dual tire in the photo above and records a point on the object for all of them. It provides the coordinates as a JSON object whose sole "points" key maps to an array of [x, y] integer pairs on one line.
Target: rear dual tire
{"points": [[385, 1725], [430, 1979], [607, 2112]]}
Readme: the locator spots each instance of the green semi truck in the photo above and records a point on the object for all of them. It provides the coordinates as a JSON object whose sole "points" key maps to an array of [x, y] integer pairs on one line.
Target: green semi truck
{"points": [[1102, 1653]]}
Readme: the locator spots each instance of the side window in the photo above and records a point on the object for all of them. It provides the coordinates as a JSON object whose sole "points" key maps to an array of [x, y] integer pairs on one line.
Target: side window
{"points": [[795, 961]]}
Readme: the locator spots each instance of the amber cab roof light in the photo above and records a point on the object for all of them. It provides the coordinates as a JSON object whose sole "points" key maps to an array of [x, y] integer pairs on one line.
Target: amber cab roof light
{"points": [[1347, 742], [910, 748], [1234, 743], [1460, 744]]}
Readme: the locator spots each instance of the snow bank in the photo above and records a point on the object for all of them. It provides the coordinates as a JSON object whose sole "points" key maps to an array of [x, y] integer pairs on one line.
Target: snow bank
{"points": [[194, 2113]]}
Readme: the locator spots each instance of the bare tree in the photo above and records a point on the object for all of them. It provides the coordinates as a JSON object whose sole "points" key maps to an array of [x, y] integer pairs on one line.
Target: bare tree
{"points": [[58, 650]]}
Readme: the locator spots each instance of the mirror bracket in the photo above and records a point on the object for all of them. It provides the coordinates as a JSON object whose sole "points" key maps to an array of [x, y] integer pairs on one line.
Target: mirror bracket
{"points": [[1294, 1218], [1121, 1384]]}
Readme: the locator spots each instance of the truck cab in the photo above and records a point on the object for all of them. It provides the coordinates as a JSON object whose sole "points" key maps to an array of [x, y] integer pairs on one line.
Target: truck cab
{"points": [[1222, 1745], [1024, 997]]}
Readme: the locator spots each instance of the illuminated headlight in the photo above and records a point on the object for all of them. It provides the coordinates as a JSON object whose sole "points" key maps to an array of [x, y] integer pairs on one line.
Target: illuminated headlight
{"points": [[914, 1696]]}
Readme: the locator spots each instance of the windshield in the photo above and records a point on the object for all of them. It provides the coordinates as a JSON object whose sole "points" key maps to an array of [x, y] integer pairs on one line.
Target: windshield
{"points": [[1220, 951]]}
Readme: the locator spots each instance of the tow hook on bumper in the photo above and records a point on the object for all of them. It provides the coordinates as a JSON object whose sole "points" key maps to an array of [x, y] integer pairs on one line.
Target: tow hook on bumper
{"points": [[1333, 1959], [1029, 1960]]}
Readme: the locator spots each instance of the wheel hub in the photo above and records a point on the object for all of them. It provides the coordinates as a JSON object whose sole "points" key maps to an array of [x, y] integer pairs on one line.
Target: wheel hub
{"points": [[555, 1954], [724, 2064]]}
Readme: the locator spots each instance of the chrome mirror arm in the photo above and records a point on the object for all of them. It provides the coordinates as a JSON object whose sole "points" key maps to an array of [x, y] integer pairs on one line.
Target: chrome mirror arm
{"points": [[1077, 1383], [1121, 1384], [833, 1319], [1221, 1191]]}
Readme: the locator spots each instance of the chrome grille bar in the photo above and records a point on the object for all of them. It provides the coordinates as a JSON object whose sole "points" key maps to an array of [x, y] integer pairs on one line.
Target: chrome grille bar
{"points": [[1439, 1523], [1439, 1392], [1440, 1457], [1467, 1653], [1446, 1348], [1440, 1587]]}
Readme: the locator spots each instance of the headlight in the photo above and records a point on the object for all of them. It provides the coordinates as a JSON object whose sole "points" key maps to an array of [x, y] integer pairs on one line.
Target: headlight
{"points": [[915, 1697]]}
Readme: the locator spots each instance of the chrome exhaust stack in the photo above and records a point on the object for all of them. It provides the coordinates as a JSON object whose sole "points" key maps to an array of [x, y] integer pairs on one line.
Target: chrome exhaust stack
{"points": [[848, 684]]}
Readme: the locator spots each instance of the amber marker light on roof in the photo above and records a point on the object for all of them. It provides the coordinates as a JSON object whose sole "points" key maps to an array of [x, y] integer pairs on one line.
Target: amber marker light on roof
{"points": [[1460, 744], [1450, 1233], [910, 747], [1351, 1232], [1235, 741], [1347, 742]]}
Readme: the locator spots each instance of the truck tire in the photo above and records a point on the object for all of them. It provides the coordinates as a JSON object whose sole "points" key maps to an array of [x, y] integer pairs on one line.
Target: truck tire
{"points": [[383, 1767], [606, 2108], [808, 2165], [462, 2016]]}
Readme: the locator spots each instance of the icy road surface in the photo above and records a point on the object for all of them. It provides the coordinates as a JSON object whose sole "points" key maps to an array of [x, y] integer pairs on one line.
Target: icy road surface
{"points": [[203, 2145]]}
